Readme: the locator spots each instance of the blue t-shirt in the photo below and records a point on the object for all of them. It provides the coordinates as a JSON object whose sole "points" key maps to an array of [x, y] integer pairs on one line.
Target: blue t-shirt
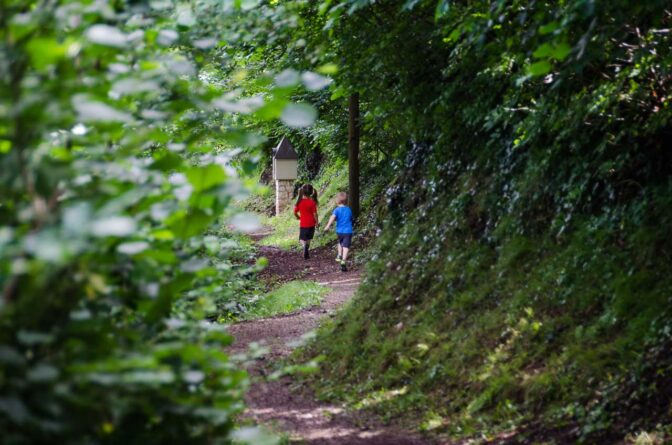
{"points": [[343, 216]]}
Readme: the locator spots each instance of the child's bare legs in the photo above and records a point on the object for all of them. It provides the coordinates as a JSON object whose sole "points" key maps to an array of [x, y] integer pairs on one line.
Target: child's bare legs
{"points": [[340, 250], [305, 244], [344, 256]]}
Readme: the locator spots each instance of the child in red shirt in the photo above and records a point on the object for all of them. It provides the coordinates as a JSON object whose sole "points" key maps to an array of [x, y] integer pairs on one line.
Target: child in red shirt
{"points": [[306, 212]]}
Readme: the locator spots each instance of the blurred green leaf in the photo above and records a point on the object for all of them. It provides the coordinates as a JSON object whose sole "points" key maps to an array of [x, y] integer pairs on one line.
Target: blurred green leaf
{"points": [[42, 373], [549, 28], [558, 52], [45, 52], [113, 226], [539, 68], [314, 82], [328, 69], [132, 248], [89, 110], [168, 162], [185, 224], [34, 338], [106, 35], [206, 177], [298, 115]]}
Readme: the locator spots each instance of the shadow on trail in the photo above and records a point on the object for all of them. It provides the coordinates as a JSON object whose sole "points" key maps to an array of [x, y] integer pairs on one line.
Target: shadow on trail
{"points": [[285, 404]]}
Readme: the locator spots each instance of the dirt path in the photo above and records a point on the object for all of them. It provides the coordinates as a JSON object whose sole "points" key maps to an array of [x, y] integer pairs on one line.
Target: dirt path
{"points": [[284, 404]]}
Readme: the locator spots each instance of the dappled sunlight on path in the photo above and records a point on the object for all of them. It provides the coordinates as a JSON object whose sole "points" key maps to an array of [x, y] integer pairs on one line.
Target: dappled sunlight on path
{"points": [[284, 404]]}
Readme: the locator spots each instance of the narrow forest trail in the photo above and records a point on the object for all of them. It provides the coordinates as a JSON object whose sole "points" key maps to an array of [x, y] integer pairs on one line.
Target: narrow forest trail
{"points": [[284, 404]]}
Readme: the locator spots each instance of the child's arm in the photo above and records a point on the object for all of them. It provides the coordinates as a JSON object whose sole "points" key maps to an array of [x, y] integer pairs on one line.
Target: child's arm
{"points": [[317, 218], [296, 212], [331, 221]]}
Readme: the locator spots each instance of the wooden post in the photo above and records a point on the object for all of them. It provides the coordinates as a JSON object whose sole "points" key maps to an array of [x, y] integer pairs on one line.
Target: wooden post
{"points": [[353, 154]]}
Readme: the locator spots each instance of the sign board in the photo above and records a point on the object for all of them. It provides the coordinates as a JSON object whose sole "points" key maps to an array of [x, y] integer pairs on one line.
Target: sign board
{"points": [[285, 161]]}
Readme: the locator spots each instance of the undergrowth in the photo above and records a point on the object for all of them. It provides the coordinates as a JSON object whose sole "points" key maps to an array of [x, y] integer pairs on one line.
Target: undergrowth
{"points": [[227, 272], [464, 339]]}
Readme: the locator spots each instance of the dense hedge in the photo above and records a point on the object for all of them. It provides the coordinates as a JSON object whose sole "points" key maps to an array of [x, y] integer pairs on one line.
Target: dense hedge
{"points": [[121, 149]]}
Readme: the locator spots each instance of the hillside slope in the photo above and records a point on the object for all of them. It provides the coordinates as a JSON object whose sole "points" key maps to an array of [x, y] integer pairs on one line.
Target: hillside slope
{"points": [[520, 282]]}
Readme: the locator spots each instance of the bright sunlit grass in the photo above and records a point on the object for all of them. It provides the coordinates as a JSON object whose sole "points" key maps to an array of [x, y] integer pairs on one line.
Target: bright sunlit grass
{"points": [[285, 231], [288, 298]]}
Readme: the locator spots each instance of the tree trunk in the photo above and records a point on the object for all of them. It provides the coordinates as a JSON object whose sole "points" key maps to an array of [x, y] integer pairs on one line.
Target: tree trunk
{"points": [[353, 154]]}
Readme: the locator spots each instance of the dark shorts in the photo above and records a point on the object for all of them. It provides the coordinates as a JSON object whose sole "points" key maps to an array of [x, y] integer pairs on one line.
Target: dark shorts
{"points": [[306, 233], [344, 239]]}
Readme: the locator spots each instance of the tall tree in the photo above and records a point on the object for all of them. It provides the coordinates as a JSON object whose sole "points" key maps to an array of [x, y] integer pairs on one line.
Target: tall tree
{"points": [[353, 153]]}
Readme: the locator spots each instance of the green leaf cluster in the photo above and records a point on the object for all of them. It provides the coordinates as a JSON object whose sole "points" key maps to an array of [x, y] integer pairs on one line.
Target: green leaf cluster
{"points": [[124, 131]]}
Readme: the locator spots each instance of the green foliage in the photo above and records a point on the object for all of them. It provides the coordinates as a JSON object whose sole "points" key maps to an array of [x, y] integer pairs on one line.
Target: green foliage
{"points": [[517, 172], [288, 298], [520, 279], [229, 290]]}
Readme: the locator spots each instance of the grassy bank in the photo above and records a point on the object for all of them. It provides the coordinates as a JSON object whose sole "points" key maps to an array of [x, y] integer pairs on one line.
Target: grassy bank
{"points": [[288, 298], [533, 336]]}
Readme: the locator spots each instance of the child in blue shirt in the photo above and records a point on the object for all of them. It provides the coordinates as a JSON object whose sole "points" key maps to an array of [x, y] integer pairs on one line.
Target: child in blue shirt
{"points": [[342, 215]]}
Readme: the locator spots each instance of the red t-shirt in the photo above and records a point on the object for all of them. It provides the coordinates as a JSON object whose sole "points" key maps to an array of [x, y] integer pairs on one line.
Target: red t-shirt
{"points": [[307, 209]]}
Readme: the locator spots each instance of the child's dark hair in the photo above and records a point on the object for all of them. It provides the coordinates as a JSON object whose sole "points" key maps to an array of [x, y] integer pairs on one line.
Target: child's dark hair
{"points": [[307, 191], [342, 198]]}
